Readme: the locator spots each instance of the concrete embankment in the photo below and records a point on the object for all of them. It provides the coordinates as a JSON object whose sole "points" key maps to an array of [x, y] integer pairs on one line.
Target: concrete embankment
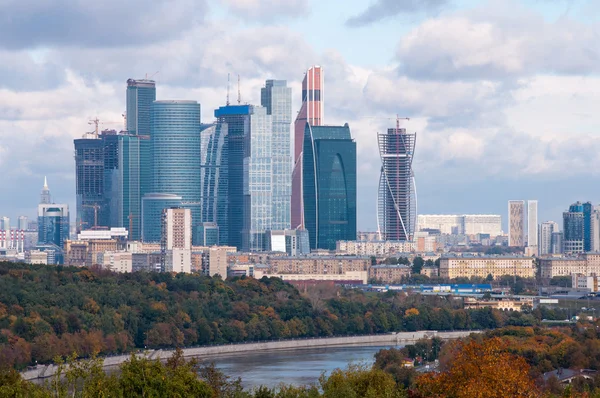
{"points": [[400, 338]]}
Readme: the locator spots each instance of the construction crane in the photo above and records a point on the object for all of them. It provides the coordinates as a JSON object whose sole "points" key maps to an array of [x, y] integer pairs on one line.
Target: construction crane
{"points": [[96, 123], [397, 119], [152, 75], [95, 206]]}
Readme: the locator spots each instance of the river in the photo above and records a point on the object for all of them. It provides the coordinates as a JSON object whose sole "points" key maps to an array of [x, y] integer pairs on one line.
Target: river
{"points": [[298, 367]]}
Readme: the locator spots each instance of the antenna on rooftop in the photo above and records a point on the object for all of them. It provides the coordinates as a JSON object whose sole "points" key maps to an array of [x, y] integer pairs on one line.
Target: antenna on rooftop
{"points": [[239, 92], [227, 89]]}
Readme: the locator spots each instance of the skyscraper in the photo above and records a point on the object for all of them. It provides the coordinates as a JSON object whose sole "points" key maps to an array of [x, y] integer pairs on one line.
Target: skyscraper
{"points": [[175, 137], [574, 229], [153, 205], [53, 220], [176, 240], [532, 225], [141, 94], [311, 112], [516, 223], [23, 223], [4, 224], [276, 97], [250, 174], [89, 183], [329, 185], [214, 178], [397, 197], [547, 228]]}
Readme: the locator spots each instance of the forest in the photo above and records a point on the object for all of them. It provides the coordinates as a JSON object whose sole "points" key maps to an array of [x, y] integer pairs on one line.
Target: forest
{"points": [[48, 312]]}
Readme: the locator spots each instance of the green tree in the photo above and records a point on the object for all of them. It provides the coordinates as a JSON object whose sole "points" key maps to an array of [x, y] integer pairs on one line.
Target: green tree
{"points": [[417, 265]]}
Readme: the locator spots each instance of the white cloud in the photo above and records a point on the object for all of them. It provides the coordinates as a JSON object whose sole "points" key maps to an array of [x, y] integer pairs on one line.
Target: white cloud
{"points": [[268, 10]]}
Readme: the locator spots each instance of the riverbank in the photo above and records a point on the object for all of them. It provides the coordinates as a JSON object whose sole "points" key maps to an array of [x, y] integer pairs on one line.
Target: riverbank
{"points": [[400, 338]]}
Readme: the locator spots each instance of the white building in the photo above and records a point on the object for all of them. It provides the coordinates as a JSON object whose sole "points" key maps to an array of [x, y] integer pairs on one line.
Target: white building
{"points": [[585, 282], [96, 234], [516, 223], [214, 261], [36, 257], [374, 248], [547, 228], [176, 240], [461, 224], [532, 226], [116, 261]]}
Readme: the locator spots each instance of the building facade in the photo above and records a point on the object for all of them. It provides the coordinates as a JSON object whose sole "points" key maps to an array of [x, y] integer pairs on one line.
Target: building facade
{"points": [[397, 196], [214, 178], [175, 137], [53, 220], [461, 224], [532, 225], [318, 264], [547, 228], [393, 273], [91, 208], [574, 229], [250, 174], [276, 97], [329, 185], [141, 93], [374, 248], [497, 266], [311, 112], [516, 223], [153, 205], [176, 241]]}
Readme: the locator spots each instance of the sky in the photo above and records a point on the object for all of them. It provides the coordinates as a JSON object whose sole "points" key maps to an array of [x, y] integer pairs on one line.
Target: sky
{"points": [[503, 94]]}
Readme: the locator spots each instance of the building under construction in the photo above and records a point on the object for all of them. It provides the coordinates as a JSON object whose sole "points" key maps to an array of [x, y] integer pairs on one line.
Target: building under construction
{"points": [[397, 199]]}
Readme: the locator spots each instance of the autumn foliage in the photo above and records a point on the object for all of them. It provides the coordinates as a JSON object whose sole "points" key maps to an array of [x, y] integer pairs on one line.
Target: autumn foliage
{"points": [[480, 369]]}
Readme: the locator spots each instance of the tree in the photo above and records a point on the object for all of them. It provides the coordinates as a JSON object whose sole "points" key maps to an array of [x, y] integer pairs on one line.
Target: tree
{"points": [[417, 265], [480, 370]]}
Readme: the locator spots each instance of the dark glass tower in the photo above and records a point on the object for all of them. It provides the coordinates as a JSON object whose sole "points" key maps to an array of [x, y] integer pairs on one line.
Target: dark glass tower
{"points": [[397, 202], [89, 183], [574, 229], [329, 185], [140, 96]]}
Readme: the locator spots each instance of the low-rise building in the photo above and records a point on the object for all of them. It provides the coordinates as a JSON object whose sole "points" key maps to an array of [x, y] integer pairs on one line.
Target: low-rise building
{"points": [[502, 305], [319, 264], [585, 282], [562, 266], [116, 261], [349, 277], [431, 272], [389, 273], [482, 266], [36, 257], [378, 248]]}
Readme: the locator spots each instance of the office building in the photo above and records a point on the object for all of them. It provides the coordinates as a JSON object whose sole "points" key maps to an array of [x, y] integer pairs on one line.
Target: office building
{"points": [[175, 137], [311, 112], [374, 248], [208, 234], [574, 229], [4, 224], [516, 223], [250, 174], [557, 243], [22, 223], [397, 196], [466, 267], [532, 226], [153, 205], [276, 97], [89, 182], [461, 224], [329, 185], [294, 242], [214, 178], [547, 229], [141, 93], [176, 240], [53, 220]]}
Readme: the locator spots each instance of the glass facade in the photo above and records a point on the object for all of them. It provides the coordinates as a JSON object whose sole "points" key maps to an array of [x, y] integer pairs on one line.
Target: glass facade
{"points": [[574, 229], [175, 137], [89, 183], [250, 174], [53, 224], [276, 97], [140, 96], [329, 185], [153, 205], [214, 178]]}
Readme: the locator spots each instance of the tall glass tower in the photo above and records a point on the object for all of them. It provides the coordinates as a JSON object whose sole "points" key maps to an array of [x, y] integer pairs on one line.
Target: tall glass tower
{"points": [[250, 174], [574, 228], [276, 97], [53, 220], [141, 94], [329, 185], [311, 112], [397, 196], [214, 179], [175, 137], [89, 183]]}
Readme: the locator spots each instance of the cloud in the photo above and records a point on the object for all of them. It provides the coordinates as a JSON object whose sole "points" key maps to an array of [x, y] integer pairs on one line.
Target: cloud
{"points": [[106, 23], [382, 9], [496, 43], [268, 10]]}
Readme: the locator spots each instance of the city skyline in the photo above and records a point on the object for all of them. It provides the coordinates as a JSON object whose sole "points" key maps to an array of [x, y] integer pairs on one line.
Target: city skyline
{"points": [[486, 137]]}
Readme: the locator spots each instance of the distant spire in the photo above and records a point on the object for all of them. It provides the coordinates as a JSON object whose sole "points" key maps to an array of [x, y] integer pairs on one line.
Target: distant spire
{"points": [[45, 196], [45, 183]]}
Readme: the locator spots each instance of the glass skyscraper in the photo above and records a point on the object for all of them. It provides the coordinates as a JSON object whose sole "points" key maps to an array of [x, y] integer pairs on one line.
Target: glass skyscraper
{"points": [[276, 97], [175, 137], [141, 94], [214, 178], [397, 197], [53, 220], [89, 183], [574, 229], [153, 205], [329, 185], [250, 174]]}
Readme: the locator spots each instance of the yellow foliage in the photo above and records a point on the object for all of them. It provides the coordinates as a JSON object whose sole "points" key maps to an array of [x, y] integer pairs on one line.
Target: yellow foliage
{"points": [[411, 311]]}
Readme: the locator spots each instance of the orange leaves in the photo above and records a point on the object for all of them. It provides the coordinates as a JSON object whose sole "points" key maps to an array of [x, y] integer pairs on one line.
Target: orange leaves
{"points": [[480, 370], [411, 311]]}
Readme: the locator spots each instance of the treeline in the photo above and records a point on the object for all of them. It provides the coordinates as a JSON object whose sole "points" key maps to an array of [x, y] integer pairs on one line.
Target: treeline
{"points": [[48, 311]]}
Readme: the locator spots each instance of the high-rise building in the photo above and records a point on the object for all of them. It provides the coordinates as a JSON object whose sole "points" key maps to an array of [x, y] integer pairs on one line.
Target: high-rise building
{"points": [[208, 234], [532, 225], [141, 94], [557, 243], [249, 173], [547, 228], [516, 223], [214, 179], [329, 185], [276, 97], [175, 137], [22, 223], [89, 183], [574, 229], [4, 224], [176, 240], [397, 196], [312, 112], [45, 197], [53, 220], [153, 205]]}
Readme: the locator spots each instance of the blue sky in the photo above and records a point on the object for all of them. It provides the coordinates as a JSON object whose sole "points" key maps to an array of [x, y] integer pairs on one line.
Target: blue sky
{"points": [[503, 93]]}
